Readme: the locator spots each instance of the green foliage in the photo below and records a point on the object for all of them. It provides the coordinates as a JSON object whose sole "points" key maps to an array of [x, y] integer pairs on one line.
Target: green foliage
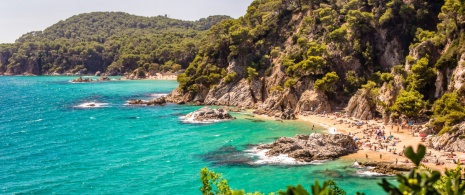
{"points": [[251, 73], [276, 88], [327, 83], [290, 82], [409, 103], [114, 42], [213, 183], [421, 75], [447, 112], [230, 77]]}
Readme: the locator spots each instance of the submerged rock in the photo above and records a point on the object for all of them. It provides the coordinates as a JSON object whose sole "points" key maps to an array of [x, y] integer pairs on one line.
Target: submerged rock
{"points": [[103, 78], [206, 114], [81, 80], [387, 168], [157, 101], [307, 148]]}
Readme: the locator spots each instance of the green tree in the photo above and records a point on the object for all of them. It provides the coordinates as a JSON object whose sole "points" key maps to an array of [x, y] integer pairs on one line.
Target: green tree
{"points": [[327, 83], [409, 103], [447, 112]]}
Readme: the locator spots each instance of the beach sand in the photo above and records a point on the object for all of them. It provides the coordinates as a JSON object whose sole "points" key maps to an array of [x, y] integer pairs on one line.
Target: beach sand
{"points": [[404, 136]]}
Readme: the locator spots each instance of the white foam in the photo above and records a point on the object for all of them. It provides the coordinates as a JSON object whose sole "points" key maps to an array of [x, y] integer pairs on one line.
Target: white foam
{"points": [[91, 105], [185, 119], [282, 159], [369, 173], [158, 94], [92, 118]]}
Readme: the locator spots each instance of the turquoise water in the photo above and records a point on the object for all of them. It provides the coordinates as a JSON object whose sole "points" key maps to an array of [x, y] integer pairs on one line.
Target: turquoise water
{"points": [[49, 145]]}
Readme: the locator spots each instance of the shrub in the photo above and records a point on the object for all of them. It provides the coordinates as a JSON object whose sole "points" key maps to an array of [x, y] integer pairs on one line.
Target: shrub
{"points": [[230, 77], [327, 83], [290, 82], [447, 112], [409, 103]]}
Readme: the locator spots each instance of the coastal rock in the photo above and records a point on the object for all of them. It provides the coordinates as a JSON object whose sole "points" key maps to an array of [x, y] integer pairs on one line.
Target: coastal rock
{"points": [[103, 78], [316, 146], [177, 96], [362, 105], [458, 76], [81, 80], [387, 168], [232, 94], [313, 102], [207, 114], [157, 101], [450, 141]]}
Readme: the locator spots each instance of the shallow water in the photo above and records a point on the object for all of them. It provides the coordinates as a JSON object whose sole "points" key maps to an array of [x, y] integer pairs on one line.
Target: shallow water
{"points": [[53, 142]]}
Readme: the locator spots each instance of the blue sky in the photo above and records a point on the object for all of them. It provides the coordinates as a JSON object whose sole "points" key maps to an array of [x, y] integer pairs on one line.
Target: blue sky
{"points": [[18, 17]]}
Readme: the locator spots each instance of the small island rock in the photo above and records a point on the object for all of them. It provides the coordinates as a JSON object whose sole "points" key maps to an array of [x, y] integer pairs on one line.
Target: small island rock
{"points": [[207, 114], [307, 148], [156, 101]]}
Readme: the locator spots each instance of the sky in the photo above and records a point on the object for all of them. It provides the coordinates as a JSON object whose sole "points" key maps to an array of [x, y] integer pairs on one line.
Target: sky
{"points": [[18, 17]]}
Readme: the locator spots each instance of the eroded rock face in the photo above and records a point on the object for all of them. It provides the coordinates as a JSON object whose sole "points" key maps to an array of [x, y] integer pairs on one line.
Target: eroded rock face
{"points": [[458, 76], [307, 148], [233, 94], [81, 80], [454, 140], [313, 102], [207, 114], [156, 101], [361, 105]]}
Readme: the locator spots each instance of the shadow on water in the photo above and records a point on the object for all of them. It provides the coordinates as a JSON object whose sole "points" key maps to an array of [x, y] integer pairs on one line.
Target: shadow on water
{"points": [[228, 156], [255, 120]]}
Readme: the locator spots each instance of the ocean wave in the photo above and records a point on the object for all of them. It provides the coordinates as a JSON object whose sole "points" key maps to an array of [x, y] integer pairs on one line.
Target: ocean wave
{"points": [[369, 173], [191, 120], [282, 159], [158, 94], [92, 105]]}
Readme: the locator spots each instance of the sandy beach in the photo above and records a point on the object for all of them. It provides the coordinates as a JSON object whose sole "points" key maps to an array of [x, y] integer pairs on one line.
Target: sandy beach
{"points": [[382, 147]]}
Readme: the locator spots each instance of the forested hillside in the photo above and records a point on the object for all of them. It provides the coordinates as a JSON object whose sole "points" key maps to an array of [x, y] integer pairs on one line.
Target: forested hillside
{"points": [[388, 58], [112, 42]]}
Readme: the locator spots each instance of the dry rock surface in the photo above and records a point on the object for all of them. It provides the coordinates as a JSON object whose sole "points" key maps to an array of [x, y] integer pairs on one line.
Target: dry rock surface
{"points": [[207, 114], [454, 140], [81, 80], [156, 101], [307, 148]]}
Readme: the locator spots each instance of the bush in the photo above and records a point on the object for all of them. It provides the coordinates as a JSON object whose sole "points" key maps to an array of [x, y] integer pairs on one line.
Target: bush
{"points": [[447, 112], [290, 82], [230, 77], [327, 83], [276, 88], [409, 103], [251, 74]]}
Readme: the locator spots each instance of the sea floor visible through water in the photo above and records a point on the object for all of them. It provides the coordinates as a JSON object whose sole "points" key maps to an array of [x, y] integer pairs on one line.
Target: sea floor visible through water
{"points": [[54, 141]]}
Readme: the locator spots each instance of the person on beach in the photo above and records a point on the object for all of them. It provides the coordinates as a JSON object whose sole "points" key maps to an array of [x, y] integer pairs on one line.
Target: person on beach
{"points": [[380, 156], [396, 161], [366, 155]]}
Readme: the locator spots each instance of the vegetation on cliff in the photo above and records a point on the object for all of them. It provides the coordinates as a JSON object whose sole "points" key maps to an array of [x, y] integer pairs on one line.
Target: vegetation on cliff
{"points": [[404, 51], [112, 42]]}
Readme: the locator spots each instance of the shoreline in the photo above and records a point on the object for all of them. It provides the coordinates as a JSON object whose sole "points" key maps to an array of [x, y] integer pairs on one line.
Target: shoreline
{"points": [[404, 136]]}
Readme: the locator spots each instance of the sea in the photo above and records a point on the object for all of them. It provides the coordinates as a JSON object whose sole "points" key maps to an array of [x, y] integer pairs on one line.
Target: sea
{"points": [[59, 137]]}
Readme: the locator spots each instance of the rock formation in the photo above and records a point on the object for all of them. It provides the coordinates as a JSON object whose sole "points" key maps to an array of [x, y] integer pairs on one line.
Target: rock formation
{"points": [[387, 168], [103, 78], [362, 105], [307, 148], [81, 80], [454, 140], [157, 101], [207, 114]]}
